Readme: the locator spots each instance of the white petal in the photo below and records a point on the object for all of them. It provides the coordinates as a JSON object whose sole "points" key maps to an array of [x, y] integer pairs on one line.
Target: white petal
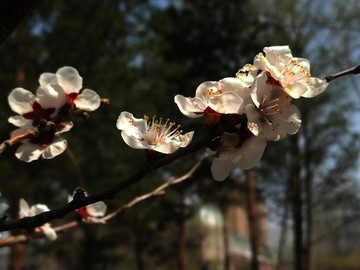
{"points": [[203, 88], [247, 74], [88, 100], [277, 54], [48, 231], [47, 78], [227, 103], [132, 126], [66, 128], [251, 152], [39, 208], [174, 144], [19, 121], [190, 107], [51, 96], [304, 63], [28, 151], [69, 79], [24, 209], [232, 84], [315, 87], [97, 209], [55, 148], [221, 169], [21, 100], [254, 119], [133, 142], [296, 90]]}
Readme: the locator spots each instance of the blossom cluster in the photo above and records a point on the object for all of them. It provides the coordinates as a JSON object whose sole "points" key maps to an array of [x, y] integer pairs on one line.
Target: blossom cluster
{"points": [[250, 109], [259, 99], [90, 213], [47, 113]]}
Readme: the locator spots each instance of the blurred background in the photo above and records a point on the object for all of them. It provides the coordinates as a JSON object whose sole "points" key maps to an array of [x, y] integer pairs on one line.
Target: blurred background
{"points": [[140, 54]]}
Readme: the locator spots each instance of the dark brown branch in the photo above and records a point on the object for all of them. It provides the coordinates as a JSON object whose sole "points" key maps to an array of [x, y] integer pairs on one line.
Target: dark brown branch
{"points": [[353, 70], [28, 223], [18, 138], [160, 190], [81, 200], [12, 12]]}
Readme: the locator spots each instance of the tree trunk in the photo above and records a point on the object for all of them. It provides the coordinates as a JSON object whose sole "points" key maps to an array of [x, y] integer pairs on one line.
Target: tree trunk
{"points": [[253, 219], [17, 257], [283, 233], [138, 248], [308, 199], [297, 203], [225, 235], [182, 234]]}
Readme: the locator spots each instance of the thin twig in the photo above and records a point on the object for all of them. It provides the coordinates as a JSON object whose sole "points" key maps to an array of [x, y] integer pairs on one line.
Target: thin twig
{"points": [[160, 190], [81, 200], [156, 192], [18, 138], [353, 70]]}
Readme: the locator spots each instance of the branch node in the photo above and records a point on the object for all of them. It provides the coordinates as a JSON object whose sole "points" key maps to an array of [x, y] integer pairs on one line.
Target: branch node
{"points": [[79, 194]]}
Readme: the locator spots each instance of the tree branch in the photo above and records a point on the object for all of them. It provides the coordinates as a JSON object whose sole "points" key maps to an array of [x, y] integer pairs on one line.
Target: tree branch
{"points": [[28, 223], [12, 12], [81, 200], [18, 138], [353, 70], [160, 190]]}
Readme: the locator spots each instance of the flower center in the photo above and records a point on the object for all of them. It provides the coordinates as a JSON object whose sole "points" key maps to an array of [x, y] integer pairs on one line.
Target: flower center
{"points": [[212, 93], [269, 108], [83, 212], [38, 113], [159, 131], [71, 99], [293, 71]]}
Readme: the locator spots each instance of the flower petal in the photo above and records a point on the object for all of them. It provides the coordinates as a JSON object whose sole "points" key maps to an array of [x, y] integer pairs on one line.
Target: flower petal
{"points": [[51, 96], [227, 103], [132, 126], [251, 152], [28, 151], [277, 54], [174, 144], [134, 142], [69, 79], [88, 100], [21, 100], [48, 231], [190, 107], [39, 208], [315, 87], [97, 209], [47, 78], [67, 126], [296, 90], [18, 121], [24, 209], [221, 169], [55, 148]]}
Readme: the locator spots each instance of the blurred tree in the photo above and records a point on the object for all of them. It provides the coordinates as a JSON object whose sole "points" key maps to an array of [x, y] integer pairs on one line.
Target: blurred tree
{"points": [[140, 54]]}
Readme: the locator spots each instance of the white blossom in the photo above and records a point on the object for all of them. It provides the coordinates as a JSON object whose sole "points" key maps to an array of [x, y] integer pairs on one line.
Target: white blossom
{"points": [[152, 134], [224, 97], [234, 153], [291, 73], [271, 115], [71, 82], [27, 211]]}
